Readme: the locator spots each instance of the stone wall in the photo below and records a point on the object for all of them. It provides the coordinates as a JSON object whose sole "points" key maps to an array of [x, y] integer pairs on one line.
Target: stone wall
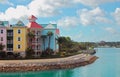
{"points": [[37, 66]]}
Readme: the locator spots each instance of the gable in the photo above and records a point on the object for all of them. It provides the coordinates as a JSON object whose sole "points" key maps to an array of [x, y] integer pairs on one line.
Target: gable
{"points": [[50, 26]]}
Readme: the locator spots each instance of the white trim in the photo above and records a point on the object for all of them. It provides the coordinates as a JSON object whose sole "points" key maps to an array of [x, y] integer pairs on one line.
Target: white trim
{"points": [[19, 30], [18, 45], [49, 26]]}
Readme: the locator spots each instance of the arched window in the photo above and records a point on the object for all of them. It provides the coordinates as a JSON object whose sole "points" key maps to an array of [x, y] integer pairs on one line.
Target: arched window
{"points": [[18, 46], [19, 39], [19, 31], [1, 31]]}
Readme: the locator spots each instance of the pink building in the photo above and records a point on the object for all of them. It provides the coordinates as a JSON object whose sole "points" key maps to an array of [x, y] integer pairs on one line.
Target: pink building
{"points": [[35, 43], [3, 33]]}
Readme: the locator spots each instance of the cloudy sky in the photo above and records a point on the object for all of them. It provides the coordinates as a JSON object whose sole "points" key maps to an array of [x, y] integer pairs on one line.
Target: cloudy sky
{"points": [[82, 20]]}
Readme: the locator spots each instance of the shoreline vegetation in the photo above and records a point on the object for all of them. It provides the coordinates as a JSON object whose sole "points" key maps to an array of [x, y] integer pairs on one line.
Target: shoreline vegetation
{"points": [[46, 64]]}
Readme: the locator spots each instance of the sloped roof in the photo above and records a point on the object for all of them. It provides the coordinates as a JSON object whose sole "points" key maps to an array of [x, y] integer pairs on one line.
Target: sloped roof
{"points": [[19, 23], [57, 31], [49, 26], [34, 25], [32, 17], [4, 23], [1, 23]]}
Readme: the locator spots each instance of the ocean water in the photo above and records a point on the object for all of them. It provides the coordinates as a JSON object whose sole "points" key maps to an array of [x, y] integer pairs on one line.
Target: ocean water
{"points": [[108, 65]]}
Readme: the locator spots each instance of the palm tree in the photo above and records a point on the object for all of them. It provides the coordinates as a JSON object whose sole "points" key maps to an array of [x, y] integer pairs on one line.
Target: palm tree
{"points": [[31, 36], [43, 37], [49, 35], [2, 47]]}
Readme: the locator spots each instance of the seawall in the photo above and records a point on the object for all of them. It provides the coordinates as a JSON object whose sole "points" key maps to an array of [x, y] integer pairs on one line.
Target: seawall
{"points": [[31, 65]]}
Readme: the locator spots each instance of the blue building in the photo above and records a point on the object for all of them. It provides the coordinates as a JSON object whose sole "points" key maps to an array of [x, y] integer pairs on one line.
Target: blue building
{"points": [[53, 40]]}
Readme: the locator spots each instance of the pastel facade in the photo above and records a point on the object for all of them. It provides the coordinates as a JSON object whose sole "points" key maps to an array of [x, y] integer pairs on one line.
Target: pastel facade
{"points": [[17, 40], [53, 42], [35, 42], [3, 32], [20, 39]]}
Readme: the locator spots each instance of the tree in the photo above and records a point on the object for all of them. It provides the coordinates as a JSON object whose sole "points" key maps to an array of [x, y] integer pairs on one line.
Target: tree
{"points": [[49, 36], [60, 41], [65, 43], [2, 53], [2, 47], [43, 37], [29, 53], [30, 36]]}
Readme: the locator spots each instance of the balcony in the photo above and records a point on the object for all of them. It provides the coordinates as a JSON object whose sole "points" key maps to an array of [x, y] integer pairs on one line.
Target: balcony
{"points": [[36, 41], [9, 49], [9, 34], [9, 41]]}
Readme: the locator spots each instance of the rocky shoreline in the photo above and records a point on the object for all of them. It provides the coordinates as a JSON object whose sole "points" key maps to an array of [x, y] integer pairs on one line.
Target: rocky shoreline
{"points": [[65, 63]]}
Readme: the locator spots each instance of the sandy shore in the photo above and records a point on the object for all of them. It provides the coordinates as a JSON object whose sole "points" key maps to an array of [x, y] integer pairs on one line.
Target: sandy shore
{"points": [[46, 64]]}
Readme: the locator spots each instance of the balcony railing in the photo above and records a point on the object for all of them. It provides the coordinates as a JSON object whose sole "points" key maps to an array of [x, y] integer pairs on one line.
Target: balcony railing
{"points": [[10, 42], [9, 49], [10, 34]]}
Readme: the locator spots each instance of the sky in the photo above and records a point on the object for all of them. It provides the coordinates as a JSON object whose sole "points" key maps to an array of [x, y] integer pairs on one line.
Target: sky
{"points": [[82, 20]]}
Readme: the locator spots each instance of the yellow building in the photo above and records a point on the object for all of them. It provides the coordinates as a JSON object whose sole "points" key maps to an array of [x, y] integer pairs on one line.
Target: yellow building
{"points": [[20, 39]]}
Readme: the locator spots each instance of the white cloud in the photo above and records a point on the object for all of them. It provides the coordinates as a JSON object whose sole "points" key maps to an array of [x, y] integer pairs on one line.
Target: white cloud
{"points": [[94, 3], [89, 17], [85, 17], [111, 30], [12, 14], [47, 8], [39, 8], [42, 8], [6, 2], [68, 21], [116, 15]]}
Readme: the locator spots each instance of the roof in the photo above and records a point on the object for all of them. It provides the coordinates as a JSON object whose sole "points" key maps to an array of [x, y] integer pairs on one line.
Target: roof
{"points": [[4, 23], [34, 25], [57, 31], [50, 26], [32, 17], [19, 23]]}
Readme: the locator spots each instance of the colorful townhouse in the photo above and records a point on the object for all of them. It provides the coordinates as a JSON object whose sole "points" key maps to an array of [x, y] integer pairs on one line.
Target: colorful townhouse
{"points": [[3, 32], [17, 38], [35, 42], [53, 41]]}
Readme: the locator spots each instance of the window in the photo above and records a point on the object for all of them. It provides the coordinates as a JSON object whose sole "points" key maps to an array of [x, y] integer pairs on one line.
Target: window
{"points": [[1, 38], [18, 46], [19, 31], [19, 39], [37, 39], [1, 31], [37, 47]]}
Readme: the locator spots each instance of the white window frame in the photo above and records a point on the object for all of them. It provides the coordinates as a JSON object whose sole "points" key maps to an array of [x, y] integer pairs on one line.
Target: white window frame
{"points": [[1, 39], [1, 31], [19, 46], [19, 31], [19, 38]]}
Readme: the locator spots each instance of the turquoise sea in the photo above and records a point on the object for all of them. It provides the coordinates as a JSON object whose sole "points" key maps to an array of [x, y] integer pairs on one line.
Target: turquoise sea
{"points": [[108, 65]]}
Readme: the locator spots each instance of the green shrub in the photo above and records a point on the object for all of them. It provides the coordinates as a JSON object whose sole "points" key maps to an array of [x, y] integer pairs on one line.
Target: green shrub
{"points": [[29, 53], [2, 54]]}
